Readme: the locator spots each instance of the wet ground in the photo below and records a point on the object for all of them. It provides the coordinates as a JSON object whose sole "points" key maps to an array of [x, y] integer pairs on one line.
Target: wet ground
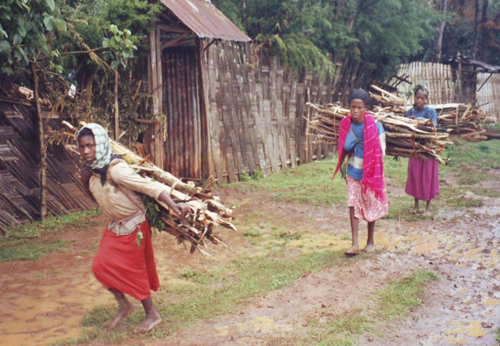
{"points": [[46, 300]]}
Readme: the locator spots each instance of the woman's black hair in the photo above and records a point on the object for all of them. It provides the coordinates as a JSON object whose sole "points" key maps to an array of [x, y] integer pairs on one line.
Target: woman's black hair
{"points": [[422, 89], [86, 132], [360, 94]]}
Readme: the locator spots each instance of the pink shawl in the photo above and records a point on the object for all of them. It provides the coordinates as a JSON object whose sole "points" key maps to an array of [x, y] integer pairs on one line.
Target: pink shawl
{"points": [[373, 170]]}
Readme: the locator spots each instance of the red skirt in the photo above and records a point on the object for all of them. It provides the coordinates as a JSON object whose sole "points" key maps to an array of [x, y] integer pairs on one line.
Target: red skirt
{"points": [[423, 180], [122, 265]]}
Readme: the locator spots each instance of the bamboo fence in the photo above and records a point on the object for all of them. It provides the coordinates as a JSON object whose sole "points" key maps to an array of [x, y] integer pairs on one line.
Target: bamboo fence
{"points": [[488, 97], [257, 110], [438, 79]]}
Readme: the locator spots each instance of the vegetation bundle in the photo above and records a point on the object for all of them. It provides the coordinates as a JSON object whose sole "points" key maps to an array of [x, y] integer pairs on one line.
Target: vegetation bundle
{"points": [[206, 210]]}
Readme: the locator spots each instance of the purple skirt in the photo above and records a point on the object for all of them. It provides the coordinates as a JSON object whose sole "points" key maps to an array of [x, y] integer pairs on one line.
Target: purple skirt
{"points": [[423, 182]]}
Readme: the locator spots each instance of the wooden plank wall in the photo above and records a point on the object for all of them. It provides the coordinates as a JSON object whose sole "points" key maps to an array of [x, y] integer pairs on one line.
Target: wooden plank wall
{"points": [[438, 78], [256, 112], [182, 108], [488, 96], [19, 166]]}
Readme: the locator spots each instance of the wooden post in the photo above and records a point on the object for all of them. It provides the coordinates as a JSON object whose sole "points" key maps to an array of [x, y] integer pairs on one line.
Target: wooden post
{"points": [[157, 140], [117, 112], [306, 149], [459, 98], [205, 114], [158, 126], [43, 149]]}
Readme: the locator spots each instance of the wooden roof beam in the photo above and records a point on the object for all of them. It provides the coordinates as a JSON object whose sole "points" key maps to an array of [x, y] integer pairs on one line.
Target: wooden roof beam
{"points": [[173, 42], [174, 29]]}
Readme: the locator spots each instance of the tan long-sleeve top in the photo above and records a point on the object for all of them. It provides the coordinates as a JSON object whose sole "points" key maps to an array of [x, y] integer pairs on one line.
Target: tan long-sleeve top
{"points": [[118, 199]]}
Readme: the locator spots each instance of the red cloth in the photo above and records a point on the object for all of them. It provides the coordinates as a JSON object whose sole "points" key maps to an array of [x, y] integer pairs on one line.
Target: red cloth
{"points": [[423, 179], [122, 265], [373, 169]]}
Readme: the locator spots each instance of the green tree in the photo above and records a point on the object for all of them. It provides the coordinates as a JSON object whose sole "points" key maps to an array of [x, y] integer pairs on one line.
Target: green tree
{"points": [[305, 33]]}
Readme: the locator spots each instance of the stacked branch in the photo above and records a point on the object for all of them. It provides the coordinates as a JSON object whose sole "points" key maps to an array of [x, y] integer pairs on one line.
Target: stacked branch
{"points": [[206, 210], [405, 137], [464, 120]]}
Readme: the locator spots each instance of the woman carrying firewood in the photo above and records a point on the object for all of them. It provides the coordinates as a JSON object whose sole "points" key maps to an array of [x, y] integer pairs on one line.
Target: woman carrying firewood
{"points": [[124, 262], [422, 183], [362, 140]]}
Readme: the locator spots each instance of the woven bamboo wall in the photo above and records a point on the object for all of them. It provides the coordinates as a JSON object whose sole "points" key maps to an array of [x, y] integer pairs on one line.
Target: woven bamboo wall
{"points": [[488, 96], [438, 78], [257, 113], [19, 167]]}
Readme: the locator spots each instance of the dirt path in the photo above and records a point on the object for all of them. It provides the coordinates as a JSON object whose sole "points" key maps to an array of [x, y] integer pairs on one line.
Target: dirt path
{"points": [[45, 301]]}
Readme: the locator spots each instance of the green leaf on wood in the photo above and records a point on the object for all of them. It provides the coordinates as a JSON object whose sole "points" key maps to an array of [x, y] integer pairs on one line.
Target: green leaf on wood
{"points": [[48, 23], [17, 40], [3, 33], [4, 46], [60, 24], [51, 4]]}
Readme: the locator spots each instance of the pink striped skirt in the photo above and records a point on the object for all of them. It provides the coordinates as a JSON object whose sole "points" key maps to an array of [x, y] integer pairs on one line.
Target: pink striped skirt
{"points": [[366, 206]]}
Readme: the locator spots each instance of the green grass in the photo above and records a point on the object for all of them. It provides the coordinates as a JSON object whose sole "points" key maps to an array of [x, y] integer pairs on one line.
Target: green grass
{"points": [[482, 155], [309, 183], [397, 300], [30, 241], [252, 232]]}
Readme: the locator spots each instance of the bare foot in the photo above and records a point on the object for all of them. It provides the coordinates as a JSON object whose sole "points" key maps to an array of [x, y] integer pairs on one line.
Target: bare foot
{"points": [[413, 210], [369, 248], [148, 324], [123, 311], [354, 250]]}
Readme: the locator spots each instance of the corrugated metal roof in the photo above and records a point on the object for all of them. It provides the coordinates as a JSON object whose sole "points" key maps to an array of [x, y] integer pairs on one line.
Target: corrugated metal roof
{"points": [[205, 20]]}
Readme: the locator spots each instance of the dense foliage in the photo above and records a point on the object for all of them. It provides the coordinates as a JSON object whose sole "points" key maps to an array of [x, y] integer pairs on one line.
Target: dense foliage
{"points": [[382, 33], [305, 33], [79, 42]]}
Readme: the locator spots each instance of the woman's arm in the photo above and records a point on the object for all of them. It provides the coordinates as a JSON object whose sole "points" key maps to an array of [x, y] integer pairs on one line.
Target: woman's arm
{"points": [[180, 209], [123, 175]]}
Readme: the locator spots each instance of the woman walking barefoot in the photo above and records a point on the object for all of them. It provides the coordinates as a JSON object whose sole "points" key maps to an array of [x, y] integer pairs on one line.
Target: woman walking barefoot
{"points": [[423, 181], [362, 140], [124, 263]]}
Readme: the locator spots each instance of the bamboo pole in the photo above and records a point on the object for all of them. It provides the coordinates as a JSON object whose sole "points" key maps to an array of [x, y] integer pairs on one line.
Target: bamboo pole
{"points": [[41, 141], [117, 111], [306, 148]]}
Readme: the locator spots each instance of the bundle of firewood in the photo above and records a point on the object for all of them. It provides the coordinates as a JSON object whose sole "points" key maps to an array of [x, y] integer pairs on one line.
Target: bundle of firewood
{"points": [[206, 210], [405, 137], [464, 120]]}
